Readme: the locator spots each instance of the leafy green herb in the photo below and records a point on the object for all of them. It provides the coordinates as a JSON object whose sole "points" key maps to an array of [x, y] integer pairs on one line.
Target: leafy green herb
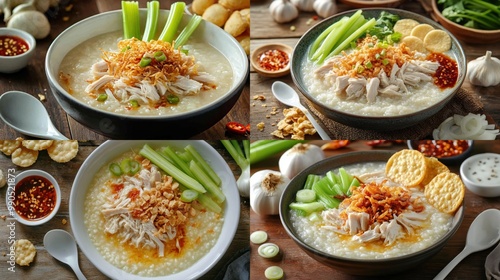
{"points": [[476, 14]]}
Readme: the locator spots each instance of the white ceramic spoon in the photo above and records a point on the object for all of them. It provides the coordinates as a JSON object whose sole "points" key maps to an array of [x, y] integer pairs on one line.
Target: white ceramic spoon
{"points": [[61, 245], [483, 233], [288, 96], [26, 114]]}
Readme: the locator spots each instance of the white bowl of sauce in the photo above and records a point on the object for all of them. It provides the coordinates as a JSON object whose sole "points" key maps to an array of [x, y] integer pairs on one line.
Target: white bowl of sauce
{"points": [[37, 197], [481, 174], [17, 49]]}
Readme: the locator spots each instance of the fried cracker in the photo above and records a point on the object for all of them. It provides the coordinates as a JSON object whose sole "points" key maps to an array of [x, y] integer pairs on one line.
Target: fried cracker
{"points": [[63, 150], [445, 192]]}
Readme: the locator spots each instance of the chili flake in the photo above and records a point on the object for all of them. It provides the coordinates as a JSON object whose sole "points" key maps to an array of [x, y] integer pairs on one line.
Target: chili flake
{"points": [[12, 45], [273, 60], [447, 73], [35, 197], [442, 148]]}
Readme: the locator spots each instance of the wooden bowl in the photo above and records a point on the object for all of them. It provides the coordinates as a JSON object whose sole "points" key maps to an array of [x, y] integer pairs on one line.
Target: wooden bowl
{"points": [[372, 4], [466, 34], [254, 60]]}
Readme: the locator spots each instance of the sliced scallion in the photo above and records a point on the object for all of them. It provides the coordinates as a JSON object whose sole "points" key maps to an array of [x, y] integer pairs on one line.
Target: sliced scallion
{"points": [[102, 97], [145, 61], [160, 56], [115, 169], [305, 195], [173, 99], [268, 250], [258, 237], [274, 272], [189, 195]]}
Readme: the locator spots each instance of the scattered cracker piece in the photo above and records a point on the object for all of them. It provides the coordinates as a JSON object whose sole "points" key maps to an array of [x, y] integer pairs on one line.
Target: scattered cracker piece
{"points": [[9, 146], [37, 145], [445, 192], [3, 217], [41, 97], [295, 124], [63, 150], [407, 167], [64, 221], [405, 26], [259, 97], [261, 126], [25, 252], [437, 41], [24, 157]]}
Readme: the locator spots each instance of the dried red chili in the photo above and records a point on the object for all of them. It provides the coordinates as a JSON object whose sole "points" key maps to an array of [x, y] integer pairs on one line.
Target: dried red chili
{"points": [[12, 45], [273, 60], [447, 73], [236, 127], [35, 197], [335, 144], [442, 148]]}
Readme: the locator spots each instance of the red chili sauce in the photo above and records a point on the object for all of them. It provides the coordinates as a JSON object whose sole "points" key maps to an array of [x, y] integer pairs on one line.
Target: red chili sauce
{"points": [[35, 197], [447, 73], [273, 60], [12, 45], [442, 148]]}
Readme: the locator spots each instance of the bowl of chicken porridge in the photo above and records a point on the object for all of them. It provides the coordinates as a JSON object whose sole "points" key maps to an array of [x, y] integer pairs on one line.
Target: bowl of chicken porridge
{"points": [[374, 83], [366, 247], [133, 220], [97, 77]]}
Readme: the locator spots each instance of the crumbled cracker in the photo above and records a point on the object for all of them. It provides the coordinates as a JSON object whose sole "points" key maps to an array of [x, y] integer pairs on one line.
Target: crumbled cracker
{"points": [[41, 97], [295, 124], [3, 217], [292, 28], [261, 126], [64, 221], [25, 252], [259, 97]]}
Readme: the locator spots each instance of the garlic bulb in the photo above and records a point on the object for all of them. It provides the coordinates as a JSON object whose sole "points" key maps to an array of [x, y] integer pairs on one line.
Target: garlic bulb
{"points": [[304, 5], [283, 11], [266, 187], [298, 158], [325, 8], [484, 71]]}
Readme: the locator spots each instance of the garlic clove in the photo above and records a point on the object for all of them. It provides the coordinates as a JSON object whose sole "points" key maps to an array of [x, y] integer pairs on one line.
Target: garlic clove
{"points": [[483, 71]]}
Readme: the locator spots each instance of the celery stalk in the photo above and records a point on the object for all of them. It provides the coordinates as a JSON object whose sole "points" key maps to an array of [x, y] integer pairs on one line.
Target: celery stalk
{"points": [[322, 37], [178, 161], [211, 205], [153, 8], [305, 209], [131, 20], [367, 25], [174, 19], [271, 148], [206, 181], [187, 31], [331, 39], [206, 167]]}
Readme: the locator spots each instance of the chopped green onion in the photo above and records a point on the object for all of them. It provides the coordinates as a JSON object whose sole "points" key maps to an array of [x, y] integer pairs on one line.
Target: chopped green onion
{"points": [[368, 65], [173, 21], [102, 97], [385, 61], [151, 21], [131, 19], [305, 195], [189, 195], [145, 61], [258, 237], [124, 49], [134, 103], [187, 31], [125, 166], [172, 99], [274, 272], [115, 169], [135, 166], [268, 250], [160, 56]]}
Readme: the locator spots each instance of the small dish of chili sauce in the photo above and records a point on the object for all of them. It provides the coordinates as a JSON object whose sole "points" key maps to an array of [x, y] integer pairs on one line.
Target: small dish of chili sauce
{"points": [[447, 151], [37, 197], [272, 60], [12, 45]]}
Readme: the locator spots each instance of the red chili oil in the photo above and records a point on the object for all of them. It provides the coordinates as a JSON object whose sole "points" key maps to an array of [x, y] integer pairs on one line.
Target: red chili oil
{"points": [[442, 148], [447, 73], [273, 60], [12, 45], [35, 197]]}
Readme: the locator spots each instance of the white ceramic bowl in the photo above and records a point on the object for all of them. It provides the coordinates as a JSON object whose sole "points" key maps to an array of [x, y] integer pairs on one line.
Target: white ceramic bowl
{"points": [[41, 173], [109, 151], [11, 64], [476, 179]]}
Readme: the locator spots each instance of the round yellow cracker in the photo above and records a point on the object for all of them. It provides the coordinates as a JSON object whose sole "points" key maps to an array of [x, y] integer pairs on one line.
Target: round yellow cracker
{"points": [[407, 167], [25, 252], [434, 167], [24, 157], [421, 30], [437, 41], [63, 150], [414, 43], [37, 145], [445, 192], [9, 146], [405, 26]]}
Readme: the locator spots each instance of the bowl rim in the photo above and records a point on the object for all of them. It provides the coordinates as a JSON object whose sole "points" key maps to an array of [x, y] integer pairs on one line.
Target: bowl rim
{"points": [[46, 175], [237, 83], [457, 217], [114, 148], [469, 161], [378, 3], [268, 46], [436, 105]]}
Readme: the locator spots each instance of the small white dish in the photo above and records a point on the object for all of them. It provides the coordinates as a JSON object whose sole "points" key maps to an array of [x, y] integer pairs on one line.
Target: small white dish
{"points": [[481, 174], [11, 64], [40, 173]]}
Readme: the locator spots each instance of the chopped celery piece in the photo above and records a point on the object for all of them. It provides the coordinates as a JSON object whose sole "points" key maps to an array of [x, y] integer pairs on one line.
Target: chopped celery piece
{"points": [[325, 185], [174, 19], [323, 196], [354, 184], [153, 8], [314, 217], [171, 169], [205, 180], [305, 209], [211, 205], [187, 31], [189, 195], [305, 195], [199, 160], [346, 179], [311, 180], [131, 19]]}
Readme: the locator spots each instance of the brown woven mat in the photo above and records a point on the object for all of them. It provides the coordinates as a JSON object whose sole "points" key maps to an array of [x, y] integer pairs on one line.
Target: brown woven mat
{"points": [[462, 103]]}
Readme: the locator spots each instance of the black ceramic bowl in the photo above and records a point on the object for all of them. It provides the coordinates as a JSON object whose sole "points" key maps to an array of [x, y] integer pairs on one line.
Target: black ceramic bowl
{"points": [[453, 160], [179, 126], [378, 123], [349, 265]]}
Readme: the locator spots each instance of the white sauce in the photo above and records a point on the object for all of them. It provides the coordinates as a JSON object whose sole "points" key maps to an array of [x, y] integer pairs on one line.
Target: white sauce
{"points": [[484, 170]]}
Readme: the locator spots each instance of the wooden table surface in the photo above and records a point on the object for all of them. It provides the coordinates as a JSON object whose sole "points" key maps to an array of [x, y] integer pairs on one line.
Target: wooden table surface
{"points": [[46, 267], [265, 30], [32, 79], [298, 265]]}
